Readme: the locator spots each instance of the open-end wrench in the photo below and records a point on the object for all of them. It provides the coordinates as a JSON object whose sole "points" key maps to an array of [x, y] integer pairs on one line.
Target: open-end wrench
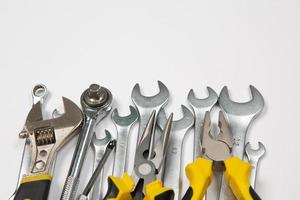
{"points": [[99, 146], [239, 116], [146, 105], [123, 125], [39, 94], [254, 156], [96, 103], [200, 106], [172, 174]]}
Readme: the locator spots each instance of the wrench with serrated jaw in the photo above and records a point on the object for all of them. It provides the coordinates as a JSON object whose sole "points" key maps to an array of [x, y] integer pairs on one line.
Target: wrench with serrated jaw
{"points": [[172, 166], [98, 147], [146, 105], [200, 106], [239, 116], [254, 156], [39, 95], [123, 125]]}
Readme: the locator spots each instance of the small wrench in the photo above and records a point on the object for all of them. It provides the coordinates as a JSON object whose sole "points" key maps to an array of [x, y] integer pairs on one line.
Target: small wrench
{"points": [[200, 106], [99, 146], [146, 105], [96, 104], [172, 174], [254, 156], [123, 125], [240, 116], [98, 170]]}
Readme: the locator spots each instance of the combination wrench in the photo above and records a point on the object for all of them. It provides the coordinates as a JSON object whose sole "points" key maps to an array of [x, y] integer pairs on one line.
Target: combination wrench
{"points": [[146, 105], [172, 169], [96, 104], [254, 156], [123, 125], [98, 147], [239, 116]]}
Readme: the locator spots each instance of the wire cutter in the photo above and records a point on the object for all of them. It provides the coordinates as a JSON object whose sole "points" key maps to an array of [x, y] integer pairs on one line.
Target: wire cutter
{"points": [[143, 183], [216, 151]]}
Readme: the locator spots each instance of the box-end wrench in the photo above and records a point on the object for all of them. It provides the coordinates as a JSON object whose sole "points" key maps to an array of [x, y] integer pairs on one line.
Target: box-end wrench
{"points": [[172, 167], [200, 106], [96, 103], [254, 156], [123, 125], [146, 105], [239, 116], [99, 146], [39, 95]]}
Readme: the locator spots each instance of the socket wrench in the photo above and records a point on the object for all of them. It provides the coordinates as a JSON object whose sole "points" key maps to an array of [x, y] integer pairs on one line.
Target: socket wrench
{"points": [[96, 104]]}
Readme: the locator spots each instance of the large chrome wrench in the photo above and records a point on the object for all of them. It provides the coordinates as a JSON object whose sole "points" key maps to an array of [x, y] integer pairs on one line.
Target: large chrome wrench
{"points": [[239, 116], [172, 167], [254, 156], [123, 125], [99, 146], [200, 106], [146, 105]]}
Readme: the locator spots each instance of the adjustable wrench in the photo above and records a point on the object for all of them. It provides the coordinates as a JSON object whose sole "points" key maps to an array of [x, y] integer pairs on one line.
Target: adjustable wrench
{"points": [[96, 103], [254, 156], [99, 146], [123, 125], [47, 137], [146, 105], [200, 106], [39, 94], [172, 178], [240, 116]]}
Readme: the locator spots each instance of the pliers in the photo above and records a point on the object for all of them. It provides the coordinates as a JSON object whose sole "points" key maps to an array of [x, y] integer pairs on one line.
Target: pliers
{"points": [[143, 182], [218, 151]]}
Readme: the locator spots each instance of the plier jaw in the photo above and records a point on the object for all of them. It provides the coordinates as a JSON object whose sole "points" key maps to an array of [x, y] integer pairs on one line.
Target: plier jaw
{"points": [[220, 147]]}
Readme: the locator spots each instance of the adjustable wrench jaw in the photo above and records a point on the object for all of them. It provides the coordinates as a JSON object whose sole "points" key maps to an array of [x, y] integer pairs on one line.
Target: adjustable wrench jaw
{"points": [[48, 136]]}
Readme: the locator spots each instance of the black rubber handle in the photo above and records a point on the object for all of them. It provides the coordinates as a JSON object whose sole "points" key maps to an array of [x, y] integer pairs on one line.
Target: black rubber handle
{"points": [[254, 194], [33, 190]]}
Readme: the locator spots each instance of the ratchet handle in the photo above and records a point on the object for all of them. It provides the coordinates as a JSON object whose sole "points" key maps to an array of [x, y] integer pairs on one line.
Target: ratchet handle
{"points": [[119, 188], [34, 187], [237, 175], [156, 191], [199, 174]]}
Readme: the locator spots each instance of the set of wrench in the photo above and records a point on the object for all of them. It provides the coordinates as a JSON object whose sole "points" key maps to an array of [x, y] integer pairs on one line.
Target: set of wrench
{"points": [[224, 167]]}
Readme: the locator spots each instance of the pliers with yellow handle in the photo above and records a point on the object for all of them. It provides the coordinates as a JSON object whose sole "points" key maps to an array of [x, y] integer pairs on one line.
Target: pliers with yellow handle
{"points": [[219, 150], [149, 161]]}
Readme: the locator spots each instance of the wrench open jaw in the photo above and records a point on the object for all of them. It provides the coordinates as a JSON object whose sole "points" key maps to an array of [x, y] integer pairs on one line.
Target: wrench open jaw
{"points": [[46, 137], [123, 125], [200, 106], [172, 169], [146, 104], [254, 156], [98, 146], [240, 116]]}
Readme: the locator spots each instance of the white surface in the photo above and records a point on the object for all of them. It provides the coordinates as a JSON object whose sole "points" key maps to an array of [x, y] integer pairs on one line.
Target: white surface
{"points": [[69, 44]]}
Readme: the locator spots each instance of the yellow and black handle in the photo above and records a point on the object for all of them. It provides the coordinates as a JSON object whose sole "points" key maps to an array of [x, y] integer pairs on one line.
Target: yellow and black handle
{"points": [[199, 174], [34, 187], [237, 174], [125, 189]]}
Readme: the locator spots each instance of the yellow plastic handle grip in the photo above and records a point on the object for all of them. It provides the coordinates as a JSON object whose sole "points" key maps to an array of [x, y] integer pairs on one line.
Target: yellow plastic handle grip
{"points": [[199, 174], [237, 175], [156, 191], [120, 188]]}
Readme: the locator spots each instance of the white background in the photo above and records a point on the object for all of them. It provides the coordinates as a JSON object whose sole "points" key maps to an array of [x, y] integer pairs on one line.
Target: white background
{"points": [[186, 44]]}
